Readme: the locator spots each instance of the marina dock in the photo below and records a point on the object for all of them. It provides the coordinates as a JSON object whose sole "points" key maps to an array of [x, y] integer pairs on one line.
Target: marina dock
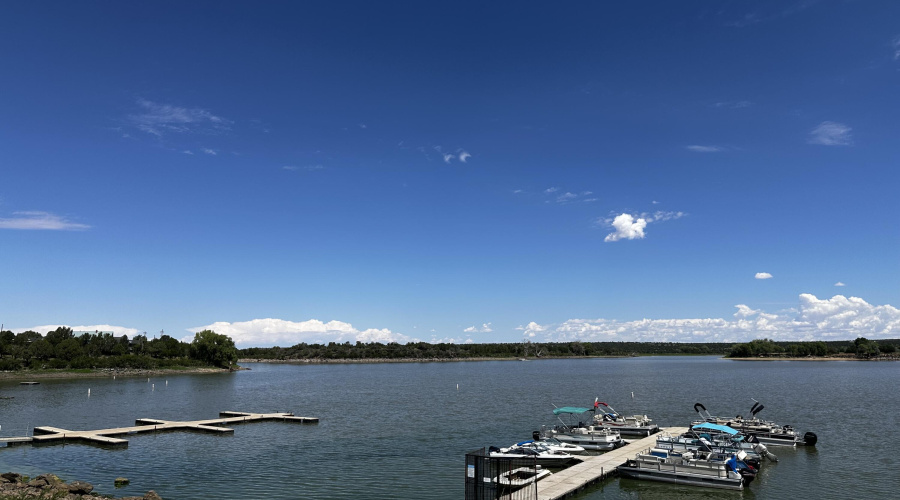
{"points": [[46, 434], [595, 468]]}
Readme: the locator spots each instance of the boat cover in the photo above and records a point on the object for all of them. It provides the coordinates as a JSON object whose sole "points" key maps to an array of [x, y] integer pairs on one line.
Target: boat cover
{"points": [[716, 427], [570, 409]]}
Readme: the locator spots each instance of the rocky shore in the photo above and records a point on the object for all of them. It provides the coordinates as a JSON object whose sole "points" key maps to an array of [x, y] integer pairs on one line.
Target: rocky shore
{"points": [[14, 486], [105, 373]]}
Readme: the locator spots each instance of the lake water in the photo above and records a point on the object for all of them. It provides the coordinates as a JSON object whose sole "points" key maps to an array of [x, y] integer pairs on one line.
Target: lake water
{"points": [[402, 430]]}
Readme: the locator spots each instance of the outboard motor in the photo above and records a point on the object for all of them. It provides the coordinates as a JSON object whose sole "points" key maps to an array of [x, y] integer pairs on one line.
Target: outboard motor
{"points": [[536, 435], [810, 439], [761, 449]]}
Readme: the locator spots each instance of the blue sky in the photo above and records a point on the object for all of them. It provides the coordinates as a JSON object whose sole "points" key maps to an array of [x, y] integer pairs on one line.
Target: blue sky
{"points": [[286, 172]]}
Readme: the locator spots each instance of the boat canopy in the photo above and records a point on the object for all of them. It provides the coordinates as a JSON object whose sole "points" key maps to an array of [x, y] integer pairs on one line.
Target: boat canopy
{"points": [[716, 427], [570, 409]]}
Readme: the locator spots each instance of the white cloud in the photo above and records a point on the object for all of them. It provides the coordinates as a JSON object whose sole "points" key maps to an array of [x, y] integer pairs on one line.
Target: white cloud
{"points": [[188, 152], [448, 157], [733, 104], [895, 44], [831, 134], [532, 329], [816, 319], [763, 276], [551, 190], [271, 331], [627, 227], [464, 156], [160, 119], [208, 151], [485, 328], [631, 226], [40, 220], [839, 284], [704, 149], [290, 167]]}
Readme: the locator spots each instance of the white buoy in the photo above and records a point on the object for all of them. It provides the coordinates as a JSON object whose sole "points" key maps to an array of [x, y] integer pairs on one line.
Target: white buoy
{"points": [[152, 387], [148, 379], [89, 393], [632, 394], [167, 383], [457, 387]]}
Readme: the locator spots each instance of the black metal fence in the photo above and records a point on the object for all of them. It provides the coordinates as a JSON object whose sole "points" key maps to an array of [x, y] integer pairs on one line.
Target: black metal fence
{"points": [[500, 478]]}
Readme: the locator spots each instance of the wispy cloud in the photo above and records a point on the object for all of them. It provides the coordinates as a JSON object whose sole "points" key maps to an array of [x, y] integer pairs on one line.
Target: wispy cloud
{"points": [[271, 331], [161, 119], [763, 276], [704, 149], [464, 156], [40, 220], [485, 328], [733, 104], [211, 152], [895, 45], [827, 319], [631, 226], [839, 284], [831, 134], [309, 168], [448, 157]]}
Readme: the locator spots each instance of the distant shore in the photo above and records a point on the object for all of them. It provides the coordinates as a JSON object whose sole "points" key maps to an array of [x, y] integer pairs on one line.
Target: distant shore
{"points": [[339, 361], [105, 373], [816, 358]]}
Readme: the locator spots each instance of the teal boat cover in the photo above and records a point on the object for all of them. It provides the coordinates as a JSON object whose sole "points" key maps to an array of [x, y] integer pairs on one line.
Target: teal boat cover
{"points": [[716, 427], [570, 409]]}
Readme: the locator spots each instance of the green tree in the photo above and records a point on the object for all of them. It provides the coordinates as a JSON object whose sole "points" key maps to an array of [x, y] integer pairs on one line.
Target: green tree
{"points": [[60, 334], [212, 348], [28, 337], [41, 349], [69, 349]]}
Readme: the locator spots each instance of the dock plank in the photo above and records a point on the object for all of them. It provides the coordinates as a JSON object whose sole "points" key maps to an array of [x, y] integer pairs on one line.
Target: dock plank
{"points": [[595, 468], [46, 434]]}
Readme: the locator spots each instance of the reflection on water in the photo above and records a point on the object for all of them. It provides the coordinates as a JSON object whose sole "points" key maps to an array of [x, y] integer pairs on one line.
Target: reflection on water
{"points": [[402, 430]]}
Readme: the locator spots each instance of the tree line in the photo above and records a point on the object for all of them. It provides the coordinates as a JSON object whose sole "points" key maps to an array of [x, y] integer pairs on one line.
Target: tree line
{"points": [[861, 348], [62, 349], [424, 350]]}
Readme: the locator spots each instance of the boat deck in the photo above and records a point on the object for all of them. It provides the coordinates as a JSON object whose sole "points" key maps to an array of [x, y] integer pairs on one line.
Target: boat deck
{"points": [[47, 434], [595, 468]]}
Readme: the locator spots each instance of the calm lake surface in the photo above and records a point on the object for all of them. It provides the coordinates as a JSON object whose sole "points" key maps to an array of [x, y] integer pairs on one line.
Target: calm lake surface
{"points": [[402, 430]]}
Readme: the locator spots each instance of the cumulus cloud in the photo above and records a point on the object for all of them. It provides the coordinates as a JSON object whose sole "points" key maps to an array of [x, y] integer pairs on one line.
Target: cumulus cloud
{"points": [[839, 284], [704, 149], [40, 220], [763, 276], [831, 134], [631, 226], [161, 119], [815, 319], [532, 329], [627, 228], [485, 328], [464, 156], [271, 331]]}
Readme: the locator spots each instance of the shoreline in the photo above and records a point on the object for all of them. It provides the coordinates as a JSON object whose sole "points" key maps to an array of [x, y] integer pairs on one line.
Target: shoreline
{"points": [[107, 373], [813, 358], [344, 361]]}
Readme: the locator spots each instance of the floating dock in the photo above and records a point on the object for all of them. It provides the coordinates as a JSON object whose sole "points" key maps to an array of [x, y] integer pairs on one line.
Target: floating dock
{"points": [[592, 469], [46, 434]]}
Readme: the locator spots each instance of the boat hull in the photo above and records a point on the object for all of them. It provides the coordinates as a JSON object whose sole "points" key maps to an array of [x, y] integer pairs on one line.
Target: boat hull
{"points": [[680, 478]]}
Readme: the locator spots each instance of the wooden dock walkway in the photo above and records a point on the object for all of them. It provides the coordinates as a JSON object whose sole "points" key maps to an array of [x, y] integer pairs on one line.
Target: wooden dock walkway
{"points": [[46, 434], [595, 468]]}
